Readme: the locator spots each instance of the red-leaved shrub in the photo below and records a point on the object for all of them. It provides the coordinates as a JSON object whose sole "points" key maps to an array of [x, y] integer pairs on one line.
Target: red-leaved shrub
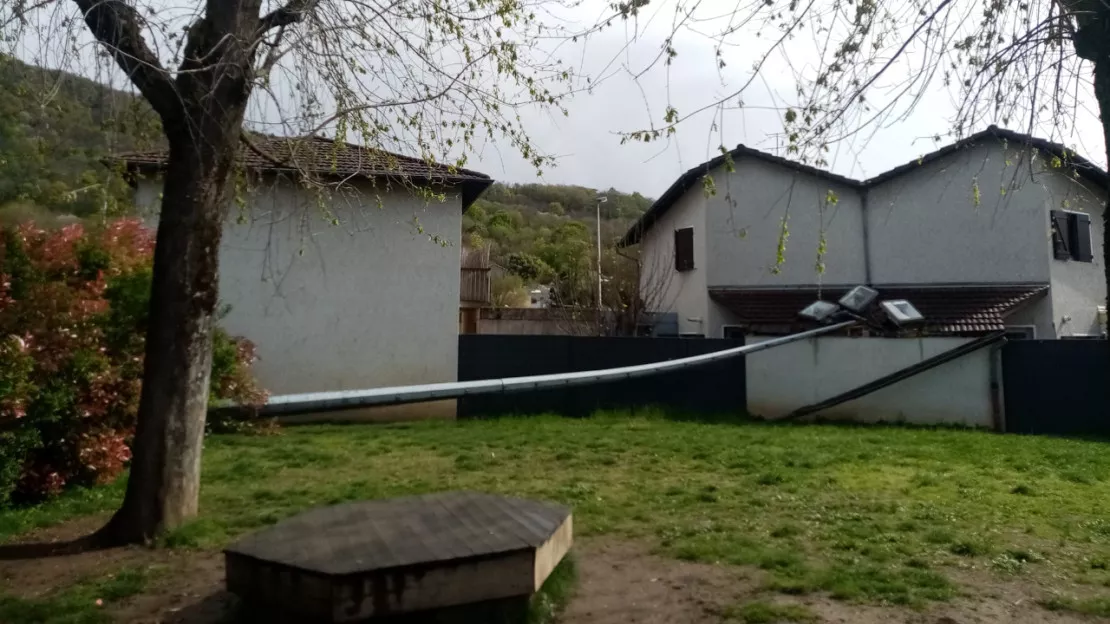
{"points": [[73, 314]]}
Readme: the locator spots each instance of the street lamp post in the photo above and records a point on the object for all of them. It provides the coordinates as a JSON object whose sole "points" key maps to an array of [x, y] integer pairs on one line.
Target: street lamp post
{"points": [[601, 199]]}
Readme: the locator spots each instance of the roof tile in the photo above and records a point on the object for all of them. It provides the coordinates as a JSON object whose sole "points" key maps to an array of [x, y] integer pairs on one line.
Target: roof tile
{"points": [[322, 156]]}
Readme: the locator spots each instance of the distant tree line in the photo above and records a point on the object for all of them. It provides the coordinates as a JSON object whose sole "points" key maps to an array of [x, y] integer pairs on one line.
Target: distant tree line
{"points": [[54, 130], [544, 234]]}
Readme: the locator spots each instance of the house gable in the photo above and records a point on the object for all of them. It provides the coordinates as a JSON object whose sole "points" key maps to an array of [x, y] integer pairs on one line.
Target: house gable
{"points": [[1059, 156], [766, 224]]}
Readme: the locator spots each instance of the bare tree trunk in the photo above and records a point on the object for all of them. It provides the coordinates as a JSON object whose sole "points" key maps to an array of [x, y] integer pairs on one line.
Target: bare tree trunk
{"points": [[1092, 42], [165, 471], [203, 128]]}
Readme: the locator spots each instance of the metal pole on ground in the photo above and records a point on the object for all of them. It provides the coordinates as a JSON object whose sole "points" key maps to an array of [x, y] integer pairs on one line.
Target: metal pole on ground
{"points": [[372, 397]]}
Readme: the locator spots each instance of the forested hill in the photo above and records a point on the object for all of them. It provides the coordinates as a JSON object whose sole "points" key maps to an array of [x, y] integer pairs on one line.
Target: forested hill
{"points": [[574, 201], [54, 129], [545, 234], [531, 218]]}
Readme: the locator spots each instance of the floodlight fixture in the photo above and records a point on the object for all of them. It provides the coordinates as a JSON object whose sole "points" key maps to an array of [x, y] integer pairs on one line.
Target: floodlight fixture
{"points": [[859, 299], [819, 311], [902, 312]]}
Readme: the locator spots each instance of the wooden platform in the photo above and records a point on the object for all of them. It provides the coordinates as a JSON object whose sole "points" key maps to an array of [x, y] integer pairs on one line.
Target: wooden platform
{"points": [[358, 561]]}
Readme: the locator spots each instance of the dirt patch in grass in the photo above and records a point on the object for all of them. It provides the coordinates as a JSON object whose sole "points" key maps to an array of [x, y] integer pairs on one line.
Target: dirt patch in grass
{"points": [[622, 581], [128, 584], [35, 575], [619, 581]]}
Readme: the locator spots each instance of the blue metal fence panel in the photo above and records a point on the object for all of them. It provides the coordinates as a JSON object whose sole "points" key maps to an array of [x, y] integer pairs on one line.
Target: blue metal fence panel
{"points": [[1059, 387], [717, 388]]}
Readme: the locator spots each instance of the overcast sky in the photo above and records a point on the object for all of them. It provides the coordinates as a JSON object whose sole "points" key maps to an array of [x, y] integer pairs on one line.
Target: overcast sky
{"points": [[587, 143], [591, 154]]}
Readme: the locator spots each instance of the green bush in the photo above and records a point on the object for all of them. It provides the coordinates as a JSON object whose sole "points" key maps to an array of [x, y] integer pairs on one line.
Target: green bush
{"points": [[73, 316]]}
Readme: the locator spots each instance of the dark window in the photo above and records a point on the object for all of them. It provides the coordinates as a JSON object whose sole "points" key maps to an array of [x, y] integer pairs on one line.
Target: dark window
{"points": [[1079, 236], [1071, 236], [1021, 332], [684, 249], [691, 335], [1059, 224], [734, 332]]}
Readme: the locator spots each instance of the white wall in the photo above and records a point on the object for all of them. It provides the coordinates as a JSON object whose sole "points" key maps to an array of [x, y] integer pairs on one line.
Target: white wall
{"points": [[1038, 314], [744, 221], [783, 379], [1078, 288], [366, 303], [925, 226], [667, 290]]}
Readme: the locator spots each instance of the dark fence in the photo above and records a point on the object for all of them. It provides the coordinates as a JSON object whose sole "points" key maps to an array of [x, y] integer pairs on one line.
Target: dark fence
{"points": [[1057, 386], [716, 388]]}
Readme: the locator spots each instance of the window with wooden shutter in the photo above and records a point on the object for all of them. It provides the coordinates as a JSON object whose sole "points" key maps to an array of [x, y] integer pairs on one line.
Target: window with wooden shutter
{"points": [[684, 249], [1059, 225], [1079, 236]]}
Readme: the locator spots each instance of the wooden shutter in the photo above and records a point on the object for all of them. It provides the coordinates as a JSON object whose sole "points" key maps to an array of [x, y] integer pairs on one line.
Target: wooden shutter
{"points": [[1079, 236], [684, 249], [1060, 235]]}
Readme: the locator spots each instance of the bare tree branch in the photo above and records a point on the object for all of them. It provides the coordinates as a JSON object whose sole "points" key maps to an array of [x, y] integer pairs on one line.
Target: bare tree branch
{"points": [[293, 12], [116, 25], [20, 11]]}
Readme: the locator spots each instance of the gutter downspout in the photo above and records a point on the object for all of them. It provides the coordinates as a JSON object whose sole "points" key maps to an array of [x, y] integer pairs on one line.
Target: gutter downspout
{"points": [[895, 377], [998, 407], [866, 237]]}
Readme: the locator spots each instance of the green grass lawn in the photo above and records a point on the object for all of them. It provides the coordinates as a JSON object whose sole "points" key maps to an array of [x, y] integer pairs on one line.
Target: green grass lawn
{"points": [[875, 514]]}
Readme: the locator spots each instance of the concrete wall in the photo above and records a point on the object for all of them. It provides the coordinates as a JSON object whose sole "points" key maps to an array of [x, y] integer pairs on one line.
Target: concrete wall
{"points": [[366, 303], [783, 379], [666, 290], [744, 222], [1038, 314]]}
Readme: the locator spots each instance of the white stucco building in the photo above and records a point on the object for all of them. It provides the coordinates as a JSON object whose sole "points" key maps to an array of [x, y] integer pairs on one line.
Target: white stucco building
{"points": [[1000, 230], [356, 286]]}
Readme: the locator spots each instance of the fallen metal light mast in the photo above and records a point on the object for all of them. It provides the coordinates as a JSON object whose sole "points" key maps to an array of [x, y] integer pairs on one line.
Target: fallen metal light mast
{"points": [[372, 397]]}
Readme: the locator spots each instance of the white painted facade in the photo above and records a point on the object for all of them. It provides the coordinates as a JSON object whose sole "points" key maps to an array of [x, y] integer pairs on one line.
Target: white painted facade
{"points": [[978, 216], [367, 301], [1074, 310], [683, 292], [745, 219], [786, 378], [926, 227]]}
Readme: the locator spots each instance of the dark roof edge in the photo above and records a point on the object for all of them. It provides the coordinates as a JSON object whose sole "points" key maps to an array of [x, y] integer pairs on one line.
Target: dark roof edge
{"points": [[471, 187], [1084, 167], [688, 179]]}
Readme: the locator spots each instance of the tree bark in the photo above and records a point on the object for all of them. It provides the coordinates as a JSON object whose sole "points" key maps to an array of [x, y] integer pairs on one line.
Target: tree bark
{"points": [[203, 126], [1092, 42], [1102, 94], [163, 488]]}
